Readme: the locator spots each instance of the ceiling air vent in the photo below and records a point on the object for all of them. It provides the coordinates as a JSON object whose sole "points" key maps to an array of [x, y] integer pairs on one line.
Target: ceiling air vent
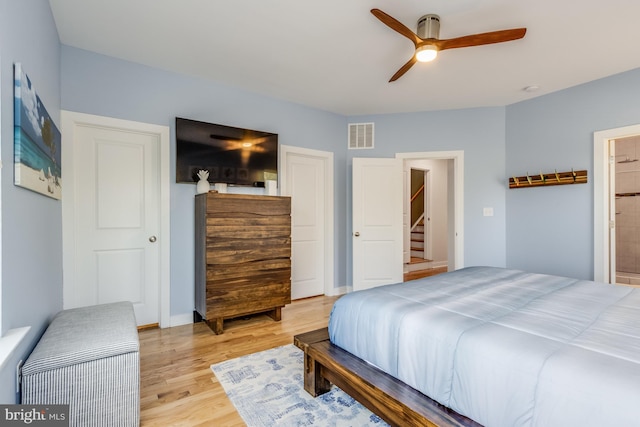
{"points": [[360, 136]]}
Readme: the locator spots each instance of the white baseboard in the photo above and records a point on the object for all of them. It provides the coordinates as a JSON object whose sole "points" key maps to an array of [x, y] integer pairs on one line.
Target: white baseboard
{"points": [[181, 319], [338, 291]]}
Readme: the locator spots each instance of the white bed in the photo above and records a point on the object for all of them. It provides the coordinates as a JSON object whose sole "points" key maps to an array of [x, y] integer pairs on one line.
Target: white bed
{"points": [[504, 347]]}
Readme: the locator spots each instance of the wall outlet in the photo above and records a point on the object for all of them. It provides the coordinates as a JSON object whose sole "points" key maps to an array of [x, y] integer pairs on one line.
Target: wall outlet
{"points": [[487, 212]]}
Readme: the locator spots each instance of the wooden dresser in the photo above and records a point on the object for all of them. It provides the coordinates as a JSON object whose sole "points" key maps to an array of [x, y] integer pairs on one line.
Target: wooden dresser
{"points": [[242, 256]]}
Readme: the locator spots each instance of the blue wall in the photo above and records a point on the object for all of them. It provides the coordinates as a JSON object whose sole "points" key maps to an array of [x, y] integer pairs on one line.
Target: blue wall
{"points": [[550, 229], [105, 86], [31, 223]]}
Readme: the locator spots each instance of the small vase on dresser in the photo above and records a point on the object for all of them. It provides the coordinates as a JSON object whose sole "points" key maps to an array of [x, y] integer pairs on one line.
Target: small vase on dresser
{"points": [[203, 185]]}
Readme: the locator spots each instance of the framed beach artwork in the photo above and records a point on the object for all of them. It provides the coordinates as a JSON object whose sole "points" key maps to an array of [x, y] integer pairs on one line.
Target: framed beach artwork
{"points": [[37, 141]]}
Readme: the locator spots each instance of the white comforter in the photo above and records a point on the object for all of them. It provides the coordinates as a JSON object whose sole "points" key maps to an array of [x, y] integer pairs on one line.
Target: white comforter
{"points": [[504, 347]]}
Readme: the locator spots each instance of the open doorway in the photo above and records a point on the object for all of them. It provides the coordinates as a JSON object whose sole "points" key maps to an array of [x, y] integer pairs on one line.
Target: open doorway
{"points": [[604, 199], [419, 239], [442, 174], [625, 245], [426, 204]]}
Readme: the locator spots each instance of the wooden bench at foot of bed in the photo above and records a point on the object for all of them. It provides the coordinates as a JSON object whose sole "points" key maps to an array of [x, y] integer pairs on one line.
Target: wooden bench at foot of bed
{"points": [[389, 398]]}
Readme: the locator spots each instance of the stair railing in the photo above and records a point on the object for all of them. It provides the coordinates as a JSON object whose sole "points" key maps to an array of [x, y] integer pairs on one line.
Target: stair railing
{"points": [[415, 225], [417, 193], [417, 208]]}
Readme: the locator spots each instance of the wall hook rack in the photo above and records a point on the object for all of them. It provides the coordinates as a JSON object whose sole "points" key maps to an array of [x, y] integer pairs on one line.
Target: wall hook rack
{"points": [[555, 178]]}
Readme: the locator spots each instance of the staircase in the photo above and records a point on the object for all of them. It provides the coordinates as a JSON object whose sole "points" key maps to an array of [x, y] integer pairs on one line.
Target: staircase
{"points": [[418, 266], [417, 240], [418, 262]]}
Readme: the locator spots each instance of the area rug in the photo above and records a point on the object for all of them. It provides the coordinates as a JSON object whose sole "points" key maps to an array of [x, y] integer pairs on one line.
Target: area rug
{"points": [[267, 390]]}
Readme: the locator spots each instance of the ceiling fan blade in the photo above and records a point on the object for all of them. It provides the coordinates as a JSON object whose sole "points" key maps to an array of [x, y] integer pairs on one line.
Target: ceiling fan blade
{"points": [[396, 25], [482, 39], [403, 69]]}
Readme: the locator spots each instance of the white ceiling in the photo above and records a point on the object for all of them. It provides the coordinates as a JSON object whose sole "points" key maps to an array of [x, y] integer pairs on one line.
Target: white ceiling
{"points": [[336, 56]]}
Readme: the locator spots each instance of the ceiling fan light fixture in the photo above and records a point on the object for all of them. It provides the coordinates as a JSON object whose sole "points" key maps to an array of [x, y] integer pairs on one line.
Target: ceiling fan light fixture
{"points": [[427, 40], [426, 53]]}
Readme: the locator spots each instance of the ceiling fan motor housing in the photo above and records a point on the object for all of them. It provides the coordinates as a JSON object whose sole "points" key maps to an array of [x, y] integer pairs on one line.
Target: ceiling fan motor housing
{"points": [[429, 27]]}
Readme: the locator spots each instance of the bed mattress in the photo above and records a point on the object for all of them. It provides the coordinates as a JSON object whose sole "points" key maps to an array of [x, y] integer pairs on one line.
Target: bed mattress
{"points": [[504, 347]]}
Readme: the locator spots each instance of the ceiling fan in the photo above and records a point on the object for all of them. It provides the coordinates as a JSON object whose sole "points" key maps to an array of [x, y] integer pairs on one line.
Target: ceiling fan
{"points": [[428, 45]]}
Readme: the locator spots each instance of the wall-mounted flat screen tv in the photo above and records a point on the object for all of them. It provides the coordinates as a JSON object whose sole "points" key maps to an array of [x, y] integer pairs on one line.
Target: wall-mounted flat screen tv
{"points": [[234, 156]]}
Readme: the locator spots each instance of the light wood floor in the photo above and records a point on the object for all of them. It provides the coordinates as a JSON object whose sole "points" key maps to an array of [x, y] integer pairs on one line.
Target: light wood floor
{"points": [[178, 387], [412, 275]]}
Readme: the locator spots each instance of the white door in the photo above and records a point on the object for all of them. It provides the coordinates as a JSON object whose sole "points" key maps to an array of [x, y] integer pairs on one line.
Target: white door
{"points": [[117, 224], [305, 179], [377, 222]]}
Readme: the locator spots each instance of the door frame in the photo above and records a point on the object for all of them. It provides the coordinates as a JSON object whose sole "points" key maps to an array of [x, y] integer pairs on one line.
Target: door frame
{"points": [[327, 160], [456, 235], [69, 121], [428, 203], [602, 225]]}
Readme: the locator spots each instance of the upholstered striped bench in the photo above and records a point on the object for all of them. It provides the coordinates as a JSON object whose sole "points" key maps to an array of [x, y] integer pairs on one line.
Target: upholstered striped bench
{"points": [[88, 358]]}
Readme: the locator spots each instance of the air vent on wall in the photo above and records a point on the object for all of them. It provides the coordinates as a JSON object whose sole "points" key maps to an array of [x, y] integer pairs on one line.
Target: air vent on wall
{"points": [[360, 135]]}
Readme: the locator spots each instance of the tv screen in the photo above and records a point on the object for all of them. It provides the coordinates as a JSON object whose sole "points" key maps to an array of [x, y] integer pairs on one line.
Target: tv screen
{"points": [[232, 155]]}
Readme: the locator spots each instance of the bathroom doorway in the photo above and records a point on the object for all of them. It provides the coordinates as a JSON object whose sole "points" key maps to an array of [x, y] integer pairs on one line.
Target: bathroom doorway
{"points": [[604, 218], [626, 153]]}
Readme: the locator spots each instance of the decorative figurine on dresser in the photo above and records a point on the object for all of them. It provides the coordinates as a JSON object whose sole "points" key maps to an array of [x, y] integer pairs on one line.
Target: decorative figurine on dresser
{"points": [[243, 256]]}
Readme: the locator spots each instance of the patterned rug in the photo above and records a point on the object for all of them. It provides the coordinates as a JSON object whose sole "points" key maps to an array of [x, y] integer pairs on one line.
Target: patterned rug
{"points": [[267, 390]]}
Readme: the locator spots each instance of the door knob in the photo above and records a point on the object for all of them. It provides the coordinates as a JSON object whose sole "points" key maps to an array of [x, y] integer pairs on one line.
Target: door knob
{"points": [[357, 234], [152, 239]]}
